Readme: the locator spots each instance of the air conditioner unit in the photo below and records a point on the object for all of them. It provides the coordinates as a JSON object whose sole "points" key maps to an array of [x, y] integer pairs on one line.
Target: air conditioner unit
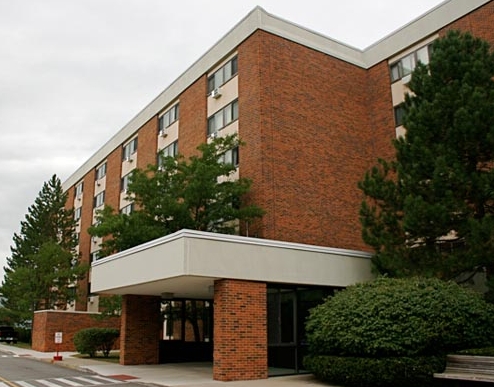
{"points": [[216, 93], [163, 133]]}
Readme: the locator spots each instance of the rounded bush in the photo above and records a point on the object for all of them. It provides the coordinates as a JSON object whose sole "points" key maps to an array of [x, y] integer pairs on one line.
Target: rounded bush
{"points": [[400, 317], [89, 341]]}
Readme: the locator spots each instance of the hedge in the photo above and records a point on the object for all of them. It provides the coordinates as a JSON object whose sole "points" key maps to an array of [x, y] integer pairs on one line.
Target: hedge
{"points": [[89, 341], [376, 372], [401, 317]]}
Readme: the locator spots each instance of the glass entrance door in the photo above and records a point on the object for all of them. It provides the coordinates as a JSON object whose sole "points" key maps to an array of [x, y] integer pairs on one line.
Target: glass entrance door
{"points": [[187, 333], [288, 309]]}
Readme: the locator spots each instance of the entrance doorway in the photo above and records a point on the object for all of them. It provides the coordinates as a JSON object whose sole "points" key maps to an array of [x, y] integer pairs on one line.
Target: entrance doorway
{"points": [[187, 331], [288, 308]]}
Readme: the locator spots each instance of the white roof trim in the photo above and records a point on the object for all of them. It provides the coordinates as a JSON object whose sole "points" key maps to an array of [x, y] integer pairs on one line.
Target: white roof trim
{"points": [[187, 263], [185, 233]]}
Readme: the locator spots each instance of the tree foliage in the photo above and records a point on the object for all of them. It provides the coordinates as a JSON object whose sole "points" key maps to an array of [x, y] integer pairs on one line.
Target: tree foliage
{"points": [[430, 211], [43, 267], [199, 193]]}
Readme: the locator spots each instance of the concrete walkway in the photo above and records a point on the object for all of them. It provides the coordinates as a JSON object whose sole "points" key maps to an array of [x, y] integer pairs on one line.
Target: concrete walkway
{"points": [[176, 374]]}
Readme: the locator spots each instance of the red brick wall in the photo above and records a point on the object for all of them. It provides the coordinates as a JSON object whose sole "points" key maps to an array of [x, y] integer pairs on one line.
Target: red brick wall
{"points": [[380, 116], [113, 175], [240, 330], [141, 326], [47, 322], [304, 118], [193, 118], [147, 143], [84, 240]]}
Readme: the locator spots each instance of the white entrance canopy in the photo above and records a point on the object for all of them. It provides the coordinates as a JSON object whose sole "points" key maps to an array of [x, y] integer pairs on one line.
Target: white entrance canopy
{"points": [[186, 264]]}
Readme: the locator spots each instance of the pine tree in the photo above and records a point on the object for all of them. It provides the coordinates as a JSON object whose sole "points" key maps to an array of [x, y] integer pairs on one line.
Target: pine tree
{"points": [[198, 194], [43, 268], [431, 210]]}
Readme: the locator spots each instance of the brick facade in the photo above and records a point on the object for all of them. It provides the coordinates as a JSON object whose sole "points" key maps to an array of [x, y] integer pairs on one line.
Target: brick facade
{"points": [[240, 330], [139, 333], [47, 322], [304, 118]]}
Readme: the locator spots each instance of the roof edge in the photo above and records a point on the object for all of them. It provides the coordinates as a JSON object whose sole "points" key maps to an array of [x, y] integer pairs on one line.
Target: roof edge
{"points": [[193, 234]]}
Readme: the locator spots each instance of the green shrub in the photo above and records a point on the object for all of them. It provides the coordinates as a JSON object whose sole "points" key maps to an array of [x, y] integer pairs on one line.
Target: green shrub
{"points": [[376, 372], [89, 341], [395, 332], [400, 317]]}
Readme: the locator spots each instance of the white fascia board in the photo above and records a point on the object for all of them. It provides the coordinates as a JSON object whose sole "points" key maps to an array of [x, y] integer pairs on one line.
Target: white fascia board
{"points": [[194, 254]]}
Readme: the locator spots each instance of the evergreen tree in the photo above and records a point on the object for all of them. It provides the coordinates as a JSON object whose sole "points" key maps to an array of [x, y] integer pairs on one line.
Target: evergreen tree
{"points": [[43, 267], [431, 210], [199, 194]]}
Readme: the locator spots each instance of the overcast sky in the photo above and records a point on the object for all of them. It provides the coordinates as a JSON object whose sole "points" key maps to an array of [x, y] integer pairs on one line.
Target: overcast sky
{"points": [[72, 73]]}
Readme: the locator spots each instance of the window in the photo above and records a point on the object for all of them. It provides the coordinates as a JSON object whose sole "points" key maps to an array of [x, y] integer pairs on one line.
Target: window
{"points": [[407, 64], [95, 256], [171, 150], [77, 213], [230, 157], [223, 117], [127, 210], [100, 171], [223, 75], [99, 199], [78, 189], [170, 116], [399, 111], [129, 149], [124, 182]]}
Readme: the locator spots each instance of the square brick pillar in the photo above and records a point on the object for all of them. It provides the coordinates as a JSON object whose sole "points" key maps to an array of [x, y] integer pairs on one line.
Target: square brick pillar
{"points": [[240, 330], [140, 329]]}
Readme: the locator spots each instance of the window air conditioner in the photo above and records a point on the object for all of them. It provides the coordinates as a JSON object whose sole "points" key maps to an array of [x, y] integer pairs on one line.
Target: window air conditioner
{"points": [[216, 93]]}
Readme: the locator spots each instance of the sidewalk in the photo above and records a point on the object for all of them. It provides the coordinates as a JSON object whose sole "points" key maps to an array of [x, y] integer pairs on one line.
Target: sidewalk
{"points": [[173, 374]]}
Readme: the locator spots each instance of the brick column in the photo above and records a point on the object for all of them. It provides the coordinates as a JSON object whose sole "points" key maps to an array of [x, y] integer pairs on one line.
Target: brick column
{"points": [[139, 332], [240, 330]]}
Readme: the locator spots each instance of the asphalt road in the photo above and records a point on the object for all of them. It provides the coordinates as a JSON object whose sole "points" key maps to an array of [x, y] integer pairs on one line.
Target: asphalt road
{"points": [[18, 371]]}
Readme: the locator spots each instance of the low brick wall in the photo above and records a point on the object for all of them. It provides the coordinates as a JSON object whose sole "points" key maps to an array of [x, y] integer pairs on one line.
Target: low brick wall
{"points": [[47, 322]]}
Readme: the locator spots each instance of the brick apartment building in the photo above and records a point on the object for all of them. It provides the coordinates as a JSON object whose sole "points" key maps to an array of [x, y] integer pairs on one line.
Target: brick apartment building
{"points": [[314, 114]]}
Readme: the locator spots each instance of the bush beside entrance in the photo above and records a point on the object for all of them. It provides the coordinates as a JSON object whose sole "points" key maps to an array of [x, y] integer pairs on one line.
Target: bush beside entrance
{"points": [[393, 332]]}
